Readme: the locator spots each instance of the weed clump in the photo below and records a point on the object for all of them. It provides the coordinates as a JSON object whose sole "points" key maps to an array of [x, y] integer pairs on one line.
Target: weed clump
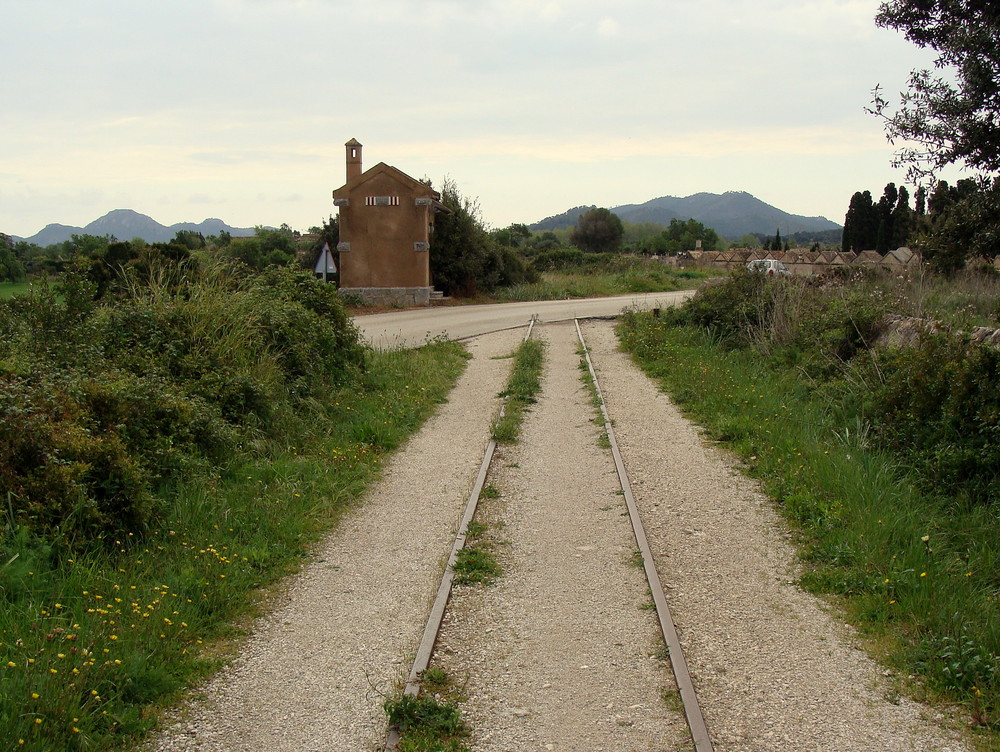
{"points": [[427, 724]]}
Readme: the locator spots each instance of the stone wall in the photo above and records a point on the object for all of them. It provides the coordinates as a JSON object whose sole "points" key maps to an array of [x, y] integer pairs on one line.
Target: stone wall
{"points": [[802, 261], [904, 331], [390, 296]]}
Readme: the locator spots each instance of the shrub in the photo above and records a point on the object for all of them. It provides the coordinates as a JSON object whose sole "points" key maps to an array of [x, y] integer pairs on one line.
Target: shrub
{"points": [[60, 477], [938, 405], [735, 308], [101, 401]]}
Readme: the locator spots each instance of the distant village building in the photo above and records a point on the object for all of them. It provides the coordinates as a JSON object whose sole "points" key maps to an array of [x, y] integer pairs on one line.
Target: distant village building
{"points": [[386, 225]]}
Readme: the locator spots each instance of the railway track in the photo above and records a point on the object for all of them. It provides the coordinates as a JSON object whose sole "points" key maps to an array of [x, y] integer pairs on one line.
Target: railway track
{"points": [[691, 707]]}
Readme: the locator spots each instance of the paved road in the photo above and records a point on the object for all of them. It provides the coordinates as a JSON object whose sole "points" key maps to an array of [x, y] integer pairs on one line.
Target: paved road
{"points": [[415, 326]]}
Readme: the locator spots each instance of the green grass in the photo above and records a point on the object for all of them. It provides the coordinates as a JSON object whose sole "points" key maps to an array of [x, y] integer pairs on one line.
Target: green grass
{"points": [[427, 724], [476, 564], [10, 289], [917, 575], [92, 644], [523, 385], [632, 276]]}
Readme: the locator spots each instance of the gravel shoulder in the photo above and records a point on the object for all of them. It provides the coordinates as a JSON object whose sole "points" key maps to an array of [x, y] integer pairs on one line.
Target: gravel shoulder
{"points": [[773, 666], [313, 676]]}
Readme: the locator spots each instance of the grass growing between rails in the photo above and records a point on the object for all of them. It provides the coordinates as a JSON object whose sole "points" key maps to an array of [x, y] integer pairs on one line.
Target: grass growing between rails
{"points": [[523, 385], [916, 573], [476, 564], [94, 640], [433, 721], [595, 399]]}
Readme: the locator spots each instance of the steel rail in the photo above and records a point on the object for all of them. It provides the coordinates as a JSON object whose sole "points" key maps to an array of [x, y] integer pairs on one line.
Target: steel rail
{"points": [[692, 708], [425, 650]]}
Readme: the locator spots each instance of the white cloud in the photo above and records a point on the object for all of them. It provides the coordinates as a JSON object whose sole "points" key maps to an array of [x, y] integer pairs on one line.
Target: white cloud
{"points": [[225, 98], [608, 27]]}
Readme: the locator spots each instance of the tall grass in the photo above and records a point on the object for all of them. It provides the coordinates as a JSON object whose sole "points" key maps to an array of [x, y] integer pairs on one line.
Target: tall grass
{"points": [[971, 297], [917, 573]]}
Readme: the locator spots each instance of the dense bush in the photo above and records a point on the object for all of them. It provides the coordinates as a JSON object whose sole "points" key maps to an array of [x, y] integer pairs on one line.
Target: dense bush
{"points": [[102, 400], [466, 259], [735, 308], [937, 404], [561, 259]]}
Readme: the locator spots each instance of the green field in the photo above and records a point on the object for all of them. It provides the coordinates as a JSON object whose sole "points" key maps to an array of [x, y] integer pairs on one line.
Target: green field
{"points": [[10, 289]]}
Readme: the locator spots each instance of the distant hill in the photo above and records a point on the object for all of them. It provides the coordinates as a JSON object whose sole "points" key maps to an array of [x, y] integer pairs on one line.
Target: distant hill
{"points": [[125, 224], [730, 214]]}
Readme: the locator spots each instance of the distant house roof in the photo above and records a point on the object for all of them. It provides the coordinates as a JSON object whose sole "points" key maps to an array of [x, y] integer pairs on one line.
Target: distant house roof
{"points": [[395, 174]]}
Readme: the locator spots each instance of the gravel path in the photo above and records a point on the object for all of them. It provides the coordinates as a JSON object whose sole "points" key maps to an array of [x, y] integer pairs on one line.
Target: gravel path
{"points": [[773, 668], [559, 653], [314, 675]]}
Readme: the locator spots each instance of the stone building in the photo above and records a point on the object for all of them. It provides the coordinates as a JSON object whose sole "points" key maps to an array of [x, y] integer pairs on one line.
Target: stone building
{"points": [[386, 224]]}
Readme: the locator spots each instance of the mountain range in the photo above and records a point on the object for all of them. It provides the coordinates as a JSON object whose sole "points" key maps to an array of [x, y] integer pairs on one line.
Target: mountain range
{"points": [[126, 224], [730, 214]]}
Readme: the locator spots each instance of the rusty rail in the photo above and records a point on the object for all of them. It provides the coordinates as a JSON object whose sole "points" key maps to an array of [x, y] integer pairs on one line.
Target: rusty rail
{"points": [[425, 650]]}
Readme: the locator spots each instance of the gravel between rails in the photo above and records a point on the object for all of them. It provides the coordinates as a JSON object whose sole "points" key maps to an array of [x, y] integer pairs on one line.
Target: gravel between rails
{"points": [[774, 669], [560, 654], [313, 676]]}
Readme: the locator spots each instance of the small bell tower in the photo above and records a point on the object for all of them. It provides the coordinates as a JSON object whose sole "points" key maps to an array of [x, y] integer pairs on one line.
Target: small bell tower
{"points": [[353, 159]]}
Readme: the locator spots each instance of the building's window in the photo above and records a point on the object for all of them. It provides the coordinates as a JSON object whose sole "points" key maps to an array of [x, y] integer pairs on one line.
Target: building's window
{"points": [[381, 200]]}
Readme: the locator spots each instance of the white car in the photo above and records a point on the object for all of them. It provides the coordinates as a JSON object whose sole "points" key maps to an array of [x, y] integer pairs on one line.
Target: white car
{"points": [[768, 266]]}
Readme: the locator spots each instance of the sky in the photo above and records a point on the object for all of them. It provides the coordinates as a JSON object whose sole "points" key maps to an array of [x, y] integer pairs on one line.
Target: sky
{"points": [[239, 109]]}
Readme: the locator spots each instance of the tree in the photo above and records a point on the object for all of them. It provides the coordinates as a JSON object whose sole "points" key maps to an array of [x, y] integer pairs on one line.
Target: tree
{"points": [[963, 222], [189, 239], [221, 240], [954, 118], [598, 231], [681, 235], [465, 257], [748, 240], [775, 244], [884, 232], [861, 223], [11, 268], [902, 220], [516, 235], [267, 247]]}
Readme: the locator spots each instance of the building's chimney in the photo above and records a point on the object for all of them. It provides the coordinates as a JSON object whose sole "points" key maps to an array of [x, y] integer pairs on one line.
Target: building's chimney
{"points": [[353, 159]]}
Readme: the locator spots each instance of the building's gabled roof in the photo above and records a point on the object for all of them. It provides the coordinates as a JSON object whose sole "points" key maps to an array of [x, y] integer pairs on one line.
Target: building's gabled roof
{"points": [[398, 175]]}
